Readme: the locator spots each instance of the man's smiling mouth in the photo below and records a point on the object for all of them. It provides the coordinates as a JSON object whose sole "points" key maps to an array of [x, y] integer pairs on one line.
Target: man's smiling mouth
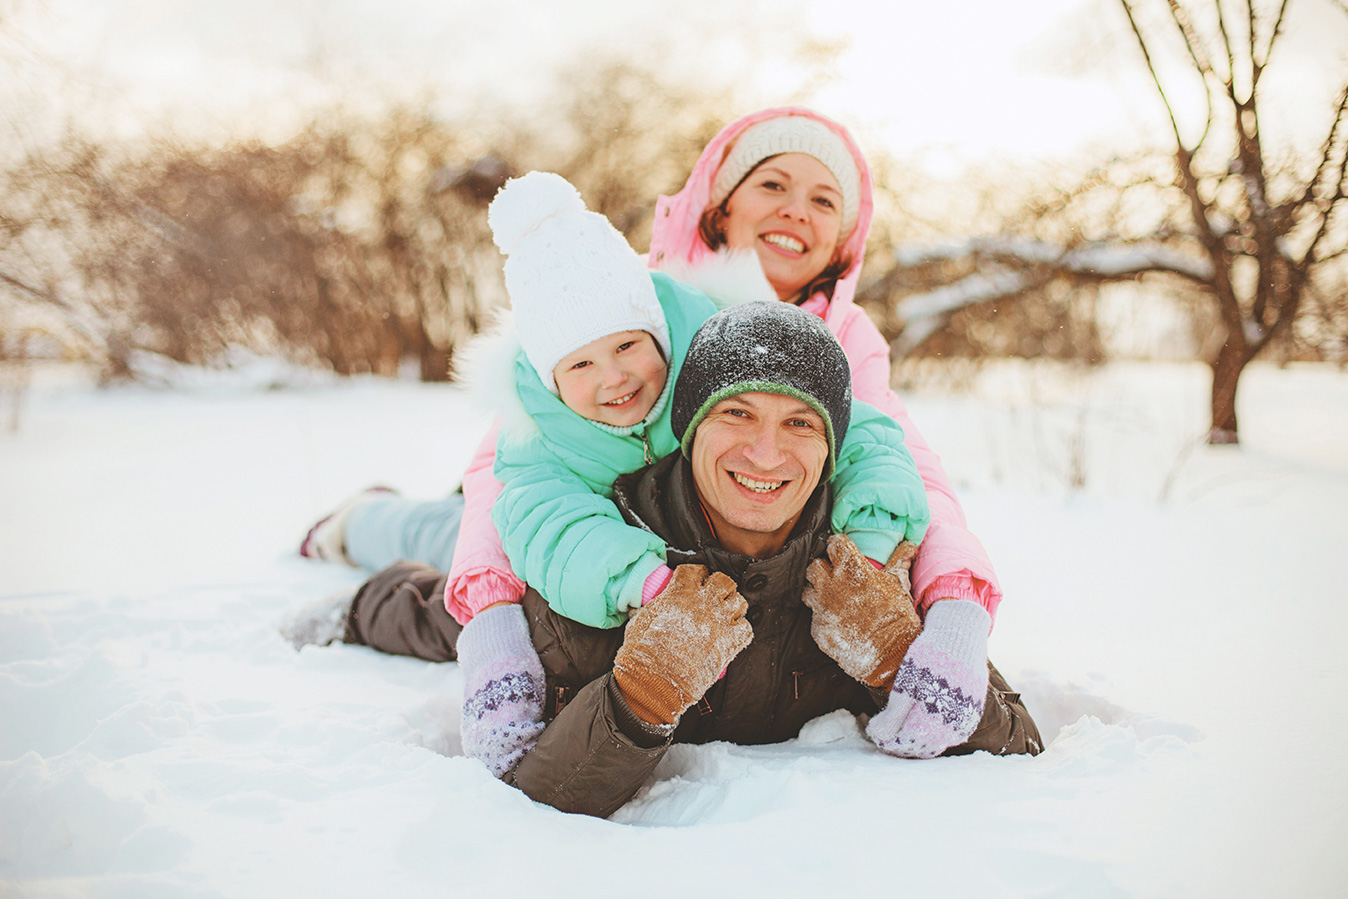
{"points": [[756, 486]]}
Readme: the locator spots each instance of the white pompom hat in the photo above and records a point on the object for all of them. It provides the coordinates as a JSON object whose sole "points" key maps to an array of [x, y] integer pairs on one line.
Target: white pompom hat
{"points": [[572, 277], [791, 134]]}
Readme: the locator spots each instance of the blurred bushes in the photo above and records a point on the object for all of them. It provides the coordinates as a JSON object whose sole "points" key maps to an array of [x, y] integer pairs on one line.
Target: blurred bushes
{"points": [[360, 243]]}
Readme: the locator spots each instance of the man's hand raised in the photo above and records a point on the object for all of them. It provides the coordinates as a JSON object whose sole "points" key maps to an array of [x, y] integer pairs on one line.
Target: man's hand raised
{"points": [[863, 617], [680, 642]]}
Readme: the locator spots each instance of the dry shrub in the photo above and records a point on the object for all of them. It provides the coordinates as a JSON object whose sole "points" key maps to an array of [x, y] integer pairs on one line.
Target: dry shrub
{"points": [[346, 245], [359, 243]]}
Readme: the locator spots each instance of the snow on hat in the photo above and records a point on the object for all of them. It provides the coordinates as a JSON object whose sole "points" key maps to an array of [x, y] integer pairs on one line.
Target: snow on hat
{"points": [[791, 134], [764, 348], [572, 277]]}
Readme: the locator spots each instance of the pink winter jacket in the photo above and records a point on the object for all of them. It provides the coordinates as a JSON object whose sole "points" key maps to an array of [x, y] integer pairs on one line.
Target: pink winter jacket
{"points": [[480, 574], [951, 564]]}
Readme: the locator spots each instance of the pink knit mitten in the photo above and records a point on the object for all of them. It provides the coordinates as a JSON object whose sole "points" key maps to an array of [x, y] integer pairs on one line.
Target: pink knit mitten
{"points": [[938, 695], [503, 688]]}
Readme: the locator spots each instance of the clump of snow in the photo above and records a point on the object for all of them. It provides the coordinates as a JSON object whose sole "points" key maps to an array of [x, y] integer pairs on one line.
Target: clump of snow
{"points": [[1173, 616]]}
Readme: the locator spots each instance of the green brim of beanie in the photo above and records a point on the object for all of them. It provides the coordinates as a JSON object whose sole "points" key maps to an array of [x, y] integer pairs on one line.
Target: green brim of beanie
{"points": [[686, 443]]}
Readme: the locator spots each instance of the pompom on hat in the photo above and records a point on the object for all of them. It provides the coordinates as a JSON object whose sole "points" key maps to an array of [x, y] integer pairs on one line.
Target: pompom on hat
{"points": [[764, 348], [572, 277], [791, 134]]}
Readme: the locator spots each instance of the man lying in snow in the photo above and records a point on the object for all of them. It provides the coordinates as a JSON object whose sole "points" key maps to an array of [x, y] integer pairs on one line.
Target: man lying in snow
{"points": [[768, 621]]}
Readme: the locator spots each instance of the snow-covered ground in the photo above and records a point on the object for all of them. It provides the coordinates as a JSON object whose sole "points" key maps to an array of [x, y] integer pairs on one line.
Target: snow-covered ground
{"points": [[1175, 615]]}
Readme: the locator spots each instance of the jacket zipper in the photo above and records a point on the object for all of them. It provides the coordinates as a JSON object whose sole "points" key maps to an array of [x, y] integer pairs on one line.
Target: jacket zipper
{"points": [[646, 448]]}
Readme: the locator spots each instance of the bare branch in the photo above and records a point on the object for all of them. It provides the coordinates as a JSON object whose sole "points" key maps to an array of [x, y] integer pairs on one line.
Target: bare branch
{"points": [[1099, 261], [1336, 254], [1099, 258], [916, 332], [1192, 41], [1329, 171], [1230, 53], [1151, 66], [1198, 56], [1022, 265], [969, 291], [1262, 60], [33, 292], [1327, 148], [78, 318], [1340, 192]]}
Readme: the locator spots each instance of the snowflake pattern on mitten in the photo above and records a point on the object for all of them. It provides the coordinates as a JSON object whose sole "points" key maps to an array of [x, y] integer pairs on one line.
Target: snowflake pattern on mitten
{"points": [[502, 719], [503, 688], [938, 695]]}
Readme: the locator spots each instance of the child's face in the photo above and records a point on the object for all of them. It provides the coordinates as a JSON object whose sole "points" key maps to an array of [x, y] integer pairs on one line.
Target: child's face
{"points": [[614, 380]]}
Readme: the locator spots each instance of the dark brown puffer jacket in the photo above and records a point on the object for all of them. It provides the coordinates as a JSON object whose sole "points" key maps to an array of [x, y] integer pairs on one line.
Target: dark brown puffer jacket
{"points": [[596, 754]]}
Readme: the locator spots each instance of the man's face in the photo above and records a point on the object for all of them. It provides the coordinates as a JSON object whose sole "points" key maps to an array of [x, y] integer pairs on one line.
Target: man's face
{"points": [[757, 457]]}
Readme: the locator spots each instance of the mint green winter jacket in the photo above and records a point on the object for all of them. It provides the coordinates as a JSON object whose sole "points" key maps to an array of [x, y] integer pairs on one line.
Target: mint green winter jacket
{"points": [[565, 537]]}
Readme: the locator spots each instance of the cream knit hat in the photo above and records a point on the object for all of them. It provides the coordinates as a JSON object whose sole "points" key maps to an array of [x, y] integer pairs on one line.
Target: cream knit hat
{"points": [[791, 134], [571, 276]]}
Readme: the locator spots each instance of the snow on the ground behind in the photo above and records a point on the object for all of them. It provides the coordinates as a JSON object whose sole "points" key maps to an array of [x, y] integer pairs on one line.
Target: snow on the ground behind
{"points": [[1176, 624]]}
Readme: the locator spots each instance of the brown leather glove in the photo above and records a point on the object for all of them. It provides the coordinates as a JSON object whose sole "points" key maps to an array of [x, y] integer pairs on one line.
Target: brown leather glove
{"points": [[863, 618], [680, 642]]}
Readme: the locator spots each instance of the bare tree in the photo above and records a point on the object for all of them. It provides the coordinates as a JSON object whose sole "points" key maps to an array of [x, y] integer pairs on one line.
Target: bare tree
{"points": [[1259, 238], [1279, 231]]}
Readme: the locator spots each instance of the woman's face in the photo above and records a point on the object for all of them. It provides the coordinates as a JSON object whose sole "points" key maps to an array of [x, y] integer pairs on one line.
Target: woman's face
{"points": [[788, 211]]}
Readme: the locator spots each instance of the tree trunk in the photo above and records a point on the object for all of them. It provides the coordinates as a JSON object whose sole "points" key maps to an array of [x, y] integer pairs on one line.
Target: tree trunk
{"points": [[434, 363], [1226, 370]]}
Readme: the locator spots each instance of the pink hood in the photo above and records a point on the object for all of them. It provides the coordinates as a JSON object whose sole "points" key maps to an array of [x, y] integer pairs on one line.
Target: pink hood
{"points": [[674, 237]]}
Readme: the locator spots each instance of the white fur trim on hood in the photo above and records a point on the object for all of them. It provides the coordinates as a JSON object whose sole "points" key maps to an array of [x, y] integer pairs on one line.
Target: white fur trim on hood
{"points": [[728, 277], [486, 365]]}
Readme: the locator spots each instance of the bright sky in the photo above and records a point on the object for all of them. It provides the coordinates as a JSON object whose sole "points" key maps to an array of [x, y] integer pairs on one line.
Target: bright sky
{"points": [[962, 79]]}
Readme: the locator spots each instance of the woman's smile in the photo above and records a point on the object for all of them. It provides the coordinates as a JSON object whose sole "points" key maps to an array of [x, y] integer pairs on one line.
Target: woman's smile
{"points": [[784, 242]]}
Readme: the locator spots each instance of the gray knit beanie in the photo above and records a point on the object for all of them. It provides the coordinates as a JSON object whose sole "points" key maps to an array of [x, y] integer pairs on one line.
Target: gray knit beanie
{"points": [[764, 348]]}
